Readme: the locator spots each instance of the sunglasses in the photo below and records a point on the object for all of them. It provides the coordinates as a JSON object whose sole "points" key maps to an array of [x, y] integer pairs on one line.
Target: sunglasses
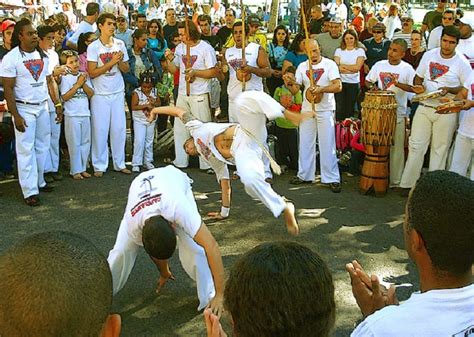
{"points": [[448, 18]]}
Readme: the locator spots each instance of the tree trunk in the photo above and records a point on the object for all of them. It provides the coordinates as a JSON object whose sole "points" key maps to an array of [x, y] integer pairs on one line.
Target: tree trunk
{"points": [[273, 15]]}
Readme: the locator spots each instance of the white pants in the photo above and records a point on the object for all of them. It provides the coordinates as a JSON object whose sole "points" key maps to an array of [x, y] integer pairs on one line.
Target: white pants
{"points": [[108, 118], [463, 155], [32, 147], [78, 137], [52, 157], [215, 93], [322, 126], [198, 106], [143, 143], [233, 111], [397, 153], [427, 127]]}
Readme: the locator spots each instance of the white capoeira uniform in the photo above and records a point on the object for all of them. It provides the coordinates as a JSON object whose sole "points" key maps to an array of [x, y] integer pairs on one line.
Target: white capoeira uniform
{"points": [[144, 131], [463, 154], [321, 126], [233, 58], [52, 158], [108, 108], [77, 125], [31, 95], [383, 73], [429, 127], [246, 148], [203, 57], [162, 192]]}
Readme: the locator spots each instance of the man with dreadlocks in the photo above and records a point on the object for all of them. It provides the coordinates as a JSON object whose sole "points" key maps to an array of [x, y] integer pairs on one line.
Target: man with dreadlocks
{"points": [[27, 80]]}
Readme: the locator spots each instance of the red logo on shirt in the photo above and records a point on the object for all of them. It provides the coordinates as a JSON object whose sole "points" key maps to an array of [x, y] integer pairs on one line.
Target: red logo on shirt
{"points": [[236, 63], [203, 149], [472, 89], [106, 57], [35, 67], [149, 201], [185, 59], [388, 79], [437, 70], [317, 73]]}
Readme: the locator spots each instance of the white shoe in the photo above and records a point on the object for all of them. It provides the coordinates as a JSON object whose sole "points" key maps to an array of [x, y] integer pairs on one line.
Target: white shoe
{"points": [[149, 166], [136, 169]]}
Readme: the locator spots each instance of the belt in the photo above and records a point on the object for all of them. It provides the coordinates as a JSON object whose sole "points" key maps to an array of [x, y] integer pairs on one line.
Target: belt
{"points": [[30, 103]]}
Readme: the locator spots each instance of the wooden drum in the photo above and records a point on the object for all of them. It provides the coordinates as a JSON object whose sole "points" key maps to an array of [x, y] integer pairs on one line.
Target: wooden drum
{"points": [[379, 118]]}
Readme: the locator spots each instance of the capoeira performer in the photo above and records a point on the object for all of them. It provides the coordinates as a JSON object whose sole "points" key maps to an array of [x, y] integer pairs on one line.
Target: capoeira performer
{"points": [[27, 80], [327, 82], [199, 72], [440, 68], [106, 59], [160, 207], [222, 144], [396, 76]]}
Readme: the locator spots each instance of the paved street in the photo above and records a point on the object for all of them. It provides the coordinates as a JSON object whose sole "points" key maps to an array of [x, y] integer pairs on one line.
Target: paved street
{"points": [[340, 227]]}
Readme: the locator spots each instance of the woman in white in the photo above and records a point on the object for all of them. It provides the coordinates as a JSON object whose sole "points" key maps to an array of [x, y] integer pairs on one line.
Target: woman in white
{"points": [[350, 59], [144, 99], [392, 21]]}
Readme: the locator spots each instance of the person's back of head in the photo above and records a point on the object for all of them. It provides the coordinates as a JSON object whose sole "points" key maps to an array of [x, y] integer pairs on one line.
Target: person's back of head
{"points": [[280, 289], [55, 284], [92, 8], [159, 238], [439, 208]]}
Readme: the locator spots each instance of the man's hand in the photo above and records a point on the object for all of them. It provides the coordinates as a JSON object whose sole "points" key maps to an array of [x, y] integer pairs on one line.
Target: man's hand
{"points": [[246, 69], [59, 114], [190, 75], [369, 294], [213, 326], [467, 104], [217, 305], [277, 73], [60, 71], [169, 55], [418, 89], [164, 277], [20, 123]]}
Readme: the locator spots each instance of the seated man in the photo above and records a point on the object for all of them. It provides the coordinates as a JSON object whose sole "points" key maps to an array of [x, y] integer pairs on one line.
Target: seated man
{"points": [[297, 298], [56, 284], [241, 145], [438, 235], [160, 207]]}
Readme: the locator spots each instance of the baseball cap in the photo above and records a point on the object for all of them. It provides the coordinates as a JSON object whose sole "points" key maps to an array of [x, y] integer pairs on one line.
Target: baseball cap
{"points": [[7, 24], [379, 26], [358, 5], [253, 20]]}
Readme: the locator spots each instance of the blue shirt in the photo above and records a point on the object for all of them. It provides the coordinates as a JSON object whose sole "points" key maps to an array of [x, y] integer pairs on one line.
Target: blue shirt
{"points": [[295, 59], [276, 54], [157, 47]]}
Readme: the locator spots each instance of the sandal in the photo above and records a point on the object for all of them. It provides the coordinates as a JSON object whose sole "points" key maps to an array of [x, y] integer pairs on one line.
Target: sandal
{"points": [[32, 201], [298, 181]]}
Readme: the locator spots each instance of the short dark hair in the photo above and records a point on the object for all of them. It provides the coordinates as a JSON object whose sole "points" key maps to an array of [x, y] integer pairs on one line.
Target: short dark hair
{"points": [[205, 17], [169, 9], [452, 31], [141, 15], [438, 208], [291, 70], [44, 30], [230, 10], [54, 284], [266, 294], [58, 26], [103, 17], [239, 24], [194, 33], [92, 8], [402, 43], [159, 239]]}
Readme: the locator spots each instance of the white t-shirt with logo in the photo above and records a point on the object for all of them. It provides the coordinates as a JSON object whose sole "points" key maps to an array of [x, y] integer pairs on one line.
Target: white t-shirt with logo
{"points": [[29, 71], [350, 57], [84, 27], [203, 57], [384, 73], [323, 73], [444, 312], [233, 57], [439, 72], [162, 191], [110, 82], [78, 104], [466, 119]]}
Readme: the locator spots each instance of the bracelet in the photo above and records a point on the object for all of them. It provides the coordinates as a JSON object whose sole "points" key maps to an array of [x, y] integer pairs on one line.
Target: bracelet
{"points": [[225, 211], [57, 105]]}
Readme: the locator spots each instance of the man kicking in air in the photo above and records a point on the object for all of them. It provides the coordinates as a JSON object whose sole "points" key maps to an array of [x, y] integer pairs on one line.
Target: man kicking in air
{"points": [[160, 207], [242, 145]]}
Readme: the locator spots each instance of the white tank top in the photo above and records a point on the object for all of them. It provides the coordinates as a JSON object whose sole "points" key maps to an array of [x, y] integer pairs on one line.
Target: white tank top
{"points": [[233, 57], [142, 115]]}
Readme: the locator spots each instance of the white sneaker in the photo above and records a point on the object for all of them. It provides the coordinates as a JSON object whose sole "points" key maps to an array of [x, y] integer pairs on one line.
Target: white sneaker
{"points": [[136, 169], [149, 166]]}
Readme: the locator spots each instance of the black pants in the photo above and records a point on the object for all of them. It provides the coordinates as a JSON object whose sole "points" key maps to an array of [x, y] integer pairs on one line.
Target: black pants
{"points": [[287, 147], [346, 100]]}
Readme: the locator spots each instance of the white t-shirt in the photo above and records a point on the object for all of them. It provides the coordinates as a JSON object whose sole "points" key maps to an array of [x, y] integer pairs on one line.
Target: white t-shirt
{"points": [[438, 72], [84, 27], [445, 312], [341, 12], [392, 23], [161, 191], [324, 72], [110, 82], [78, 104], [140, 115], [434, 40], [203, 57], [233, 57], [53, 62], [466, 119], [382, 73], [350, 57], [466, 47], [30, 71]]}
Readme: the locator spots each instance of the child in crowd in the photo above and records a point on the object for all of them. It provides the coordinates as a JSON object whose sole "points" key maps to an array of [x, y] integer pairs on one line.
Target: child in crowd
{"points": [[285, 131], [164, 90], [144, 99], [76, 90], [85, 39]]}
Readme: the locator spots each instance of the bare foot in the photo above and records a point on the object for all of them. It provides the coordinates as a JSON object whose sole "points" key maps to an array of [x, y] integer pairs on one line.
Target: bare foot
{"points": [[98, 174], [291, 223], [77, 176], [85, 174]]}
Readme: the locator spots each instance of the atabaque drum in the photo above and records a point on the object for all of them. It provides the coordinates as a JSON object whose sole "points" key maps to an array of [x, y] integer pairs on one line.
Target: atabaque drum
{"points": [[379, 118]]}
